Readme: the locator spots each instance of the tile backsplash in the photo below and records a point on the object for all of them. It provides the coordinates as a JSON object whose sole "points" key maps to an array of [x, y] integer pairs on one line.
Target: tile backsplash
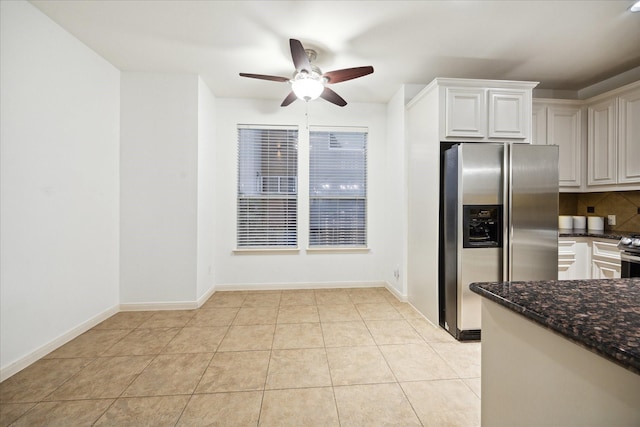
{"points": [[625, 205]]}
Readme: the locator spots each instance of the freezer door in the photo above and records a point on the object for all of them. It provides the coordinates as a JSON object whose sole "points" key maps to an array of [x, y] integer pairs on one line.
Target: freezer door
{"points": [[533, 213], [481, 184]]}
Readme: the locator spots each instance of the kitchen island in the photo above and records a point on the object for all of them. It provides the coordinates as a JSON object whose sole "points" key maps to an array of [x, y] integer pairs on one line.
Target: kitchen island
{"points": [[561, 353]]}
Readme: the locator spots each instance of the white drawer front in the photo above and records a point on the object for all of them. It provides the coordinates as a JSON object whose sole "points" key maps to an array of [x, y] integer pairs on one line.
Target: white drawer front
{"points": [[607, 250]]}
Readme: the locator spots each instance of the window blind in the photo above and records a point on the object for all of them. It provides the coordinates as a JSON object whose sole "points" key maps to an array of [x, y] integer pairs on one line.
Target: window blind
{"points": [[267, 187], [337, 188]]}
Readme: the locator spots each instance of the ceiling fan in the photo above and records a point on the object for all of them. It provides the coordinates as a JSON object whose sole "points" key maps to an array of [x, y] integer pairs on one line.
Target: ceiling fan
{"points": [[308, 81]]}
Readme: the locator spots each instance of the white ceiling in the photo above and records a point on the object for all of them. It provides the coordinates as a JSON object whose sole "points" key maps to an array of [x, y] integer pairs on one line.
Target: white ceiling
{"points": [[565, 45]]}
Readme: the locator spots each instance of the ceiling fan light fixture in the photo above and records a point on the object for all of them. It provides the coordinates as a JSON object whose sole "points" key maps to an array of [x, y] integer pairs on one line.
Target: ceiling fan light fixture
{"points": [[307, 86], [635, 7]]}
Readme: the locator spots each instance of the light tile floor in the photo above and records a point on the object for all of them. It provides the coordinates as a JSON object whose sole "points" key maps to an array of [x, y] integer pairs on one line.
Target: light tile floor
{"points": [[334, 357]]}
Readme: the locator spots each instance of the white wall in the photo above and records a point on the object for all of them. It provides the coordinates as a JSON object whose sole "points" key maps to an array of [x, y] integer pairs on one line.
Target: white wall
{"points": [[206, 188], [302, 268], [396, 188], [158, 186], [423, 151], [397, 191], [59, 135]]}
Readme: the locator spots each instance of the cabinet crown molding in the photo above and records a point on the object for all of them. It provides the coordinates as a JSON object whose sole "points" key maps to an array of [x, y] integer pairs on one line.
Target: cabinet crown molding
{"points": [[613, 93], [482, 83], [580, 102], [560, 102]]}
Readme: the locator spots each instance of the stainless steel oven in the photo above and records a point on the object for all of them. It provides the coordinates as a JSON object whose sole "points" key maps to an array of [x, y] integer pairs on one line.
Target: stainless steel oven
{"points": [[630, 265], [630, 256]]}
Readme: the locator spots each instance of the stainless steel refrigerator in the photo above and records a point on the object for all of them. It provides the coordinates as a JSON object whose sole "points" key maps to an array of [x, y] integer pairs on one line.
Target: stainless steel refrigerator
{"points": [[500, 223]]}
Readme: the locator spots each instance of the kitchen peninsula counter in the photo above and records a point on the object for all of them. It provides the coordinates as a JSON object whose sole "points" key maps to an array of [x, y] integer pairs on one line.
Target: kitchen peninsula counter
{"points": [[602, 316], [561, 352]]}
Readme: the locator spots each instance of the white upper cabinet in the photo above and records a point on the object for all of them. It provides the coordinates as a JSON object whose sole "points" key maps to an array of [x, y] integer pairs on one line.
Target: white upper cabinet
{"points": [[602, 143], [466, 113], [539, 124], [563, 129], [558, 122], [629, 137], [599, 139], [613, 140], [508, 114], [485, 110]]}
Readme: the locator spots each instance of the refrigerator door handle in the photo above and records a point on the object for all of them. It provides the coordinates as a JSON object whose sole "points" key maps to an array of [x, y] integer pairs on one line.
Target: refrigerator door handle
{"points": [[506, 220]]}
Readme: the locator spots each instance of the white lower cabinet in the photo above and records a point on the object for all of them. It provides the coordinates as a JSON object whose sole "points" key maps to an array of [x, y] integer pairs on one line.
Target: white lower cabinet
{"points": [[588, 258], [605, 270], [605, 259], [573, 256]]}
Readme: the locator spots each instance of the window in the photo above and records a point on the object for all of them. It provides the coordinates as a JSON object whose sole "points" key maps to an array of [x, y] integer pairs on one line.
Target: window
{"points": [[267, 187], [338, 188]]}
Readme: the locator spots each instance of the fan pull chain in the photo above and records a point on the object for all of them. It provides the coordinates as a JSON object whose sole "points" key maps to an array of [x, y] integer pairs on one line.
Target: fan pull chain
{"points": [[307, 113]]}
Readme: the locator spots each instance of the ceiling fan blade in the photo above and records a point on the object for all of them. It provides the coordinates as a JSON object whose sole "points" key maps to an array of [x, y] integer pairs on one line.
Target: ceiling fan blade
{"points": [[289, 99], [329, 95], [338, 76], [299, 56], [263, 77]]}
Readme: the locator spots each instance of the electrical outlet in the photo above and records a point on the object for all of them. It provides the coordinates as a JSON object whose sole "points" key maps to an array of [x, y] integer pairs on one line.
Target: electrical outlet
{"points": [[611, 219]]}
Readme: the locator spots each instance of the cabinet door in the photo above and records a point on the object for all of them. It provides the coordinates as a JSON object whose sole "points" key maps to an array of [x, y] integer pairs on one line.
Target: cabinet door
{"points": [[563, 129], [605, 259], [574, 259], [567, 260], [629, 137], [539, 124], [466, 113], [605, 270], [602, 143], [508, 114]]}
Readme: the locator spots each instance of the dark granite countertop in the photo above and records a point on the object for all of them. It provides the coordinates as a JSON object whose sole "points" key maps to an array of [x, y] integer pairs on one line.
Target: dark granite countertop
{"points": [[606, 234], [602, 316]]}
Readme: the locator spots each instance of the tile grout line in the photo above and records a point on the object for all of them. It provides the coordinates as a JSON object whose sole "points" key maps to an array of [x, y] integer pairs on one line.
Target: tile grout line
{"points": [[266, 377], [180, 329], [208, 364], [155, 356], [95, 360], [326, 355], [397, 380]]}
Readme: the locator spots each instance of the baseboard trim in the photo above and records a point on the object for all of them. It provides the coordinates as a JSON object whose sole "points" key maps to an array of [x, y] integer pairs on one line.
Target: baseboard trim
{"points": [[297, 286], [15, 367], [395, 292], [206, 296], [159, 306]]}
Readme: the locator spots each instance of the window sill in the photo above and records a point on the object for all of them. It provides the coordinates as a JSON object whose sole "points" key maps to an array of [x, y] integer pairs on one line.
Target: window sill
{"points": [[266, 251], [338, 250]]}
